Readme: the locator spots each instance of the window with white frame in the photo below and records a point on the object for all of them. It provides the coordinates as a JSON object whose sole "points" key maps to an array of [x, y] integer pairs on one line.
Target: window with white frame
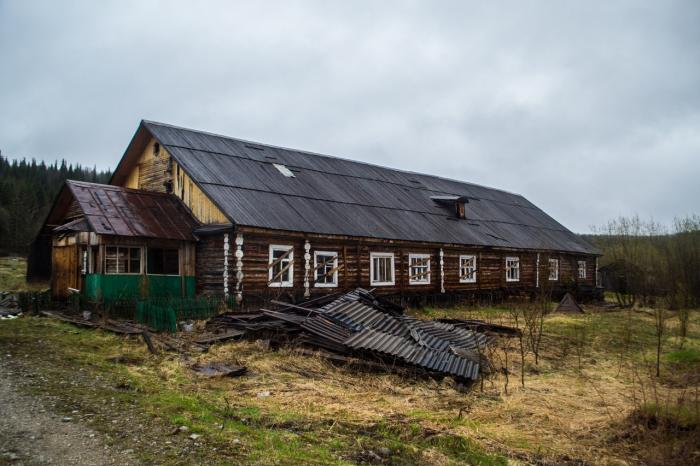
{"points": [[381, 268], [512, 269], [581, 269], [467, 269], [419, 269], [554, 269], [326, 269], [281, 266], [121, 259]]}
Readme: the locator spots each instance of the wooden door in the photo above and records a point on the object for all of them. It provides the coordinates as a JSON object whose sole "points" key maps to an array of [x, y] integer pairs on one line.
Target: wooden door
{"points": [[64, 270]]}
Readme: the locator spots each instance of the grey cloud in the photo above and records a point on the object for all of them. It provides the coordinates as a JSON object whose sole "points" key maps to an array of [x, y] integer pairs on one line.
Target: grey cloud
{"points": [[589, 109]]}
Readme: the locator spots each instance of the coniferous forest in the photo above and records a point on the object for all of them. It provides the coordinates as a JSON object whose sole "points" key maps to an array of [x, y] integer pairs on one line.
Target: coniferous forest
{"points": [[27, 190]]}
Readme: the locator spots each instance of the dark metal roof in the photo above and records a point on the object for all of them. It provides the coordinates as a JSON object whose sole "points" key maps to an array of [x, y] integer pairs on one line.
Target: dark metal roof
{"points": [[413, 353], [113, 210], [79, 224], [329, 195]]}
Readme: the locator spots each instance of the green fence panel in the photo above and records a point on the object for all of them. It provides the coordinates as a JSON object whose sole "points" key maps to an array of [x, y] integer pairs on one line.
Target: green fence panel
{"points": [[158, 317], [123, 286]]}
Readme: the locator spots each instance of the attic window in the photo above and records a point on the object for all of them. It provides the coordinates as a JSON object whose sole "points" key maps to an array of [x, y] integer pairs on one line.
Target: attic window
{"points": [[284, 170], [156, 149], [457, 204]]}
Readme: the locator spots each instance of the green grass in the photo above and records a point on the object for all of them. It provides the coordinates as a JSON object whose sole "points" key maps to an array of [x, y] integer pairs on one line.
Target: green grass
{"points": [[335, 415], [13, 271], [267, 433], [684, 356]]}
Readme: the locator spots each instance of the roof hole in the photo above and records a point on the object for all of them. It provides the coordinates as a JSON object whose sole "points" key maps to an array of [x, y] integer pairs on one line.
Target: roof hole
{"points": [[250, 146], [284, 170]]}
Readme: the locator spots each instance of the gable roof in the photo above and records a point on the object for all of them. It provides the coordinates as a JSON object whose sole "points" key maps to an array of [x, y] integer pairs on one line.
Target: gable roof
{"points": [[330, 195], [113, 210]]}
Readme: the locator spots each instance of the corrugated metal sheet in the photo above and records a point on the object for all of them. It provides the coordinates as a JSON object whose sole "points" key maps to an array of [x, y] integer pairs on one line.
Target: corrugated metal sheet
{"points": [[113, 210], [432, 345], [325, 192], [413, 353]]}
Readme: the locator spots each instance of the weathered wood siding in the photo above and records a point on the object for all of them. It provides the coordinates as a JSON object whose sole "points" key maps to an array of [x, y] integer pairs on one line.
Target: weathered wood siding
{"points": [[210, 265], [65, 270], [153, 171], [199, 203], [354, 266]]}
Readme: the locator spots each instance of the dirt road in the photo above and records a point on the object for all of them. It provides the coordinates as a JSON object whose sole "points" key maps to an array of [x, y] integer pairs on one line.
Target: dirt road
{"points": [[30, 433]]}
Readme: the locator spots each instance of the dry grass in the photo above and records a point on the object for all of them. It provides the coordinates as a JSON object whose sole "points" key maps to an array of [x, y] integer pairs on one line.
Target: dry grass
{"points": [[577, 407], [562, 415]]}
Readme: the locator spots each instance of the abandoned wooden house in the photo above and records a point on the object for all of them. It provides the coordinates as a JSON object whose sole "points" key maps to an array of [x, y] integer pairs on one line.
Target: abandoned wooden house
{"points": [[189, 212]]}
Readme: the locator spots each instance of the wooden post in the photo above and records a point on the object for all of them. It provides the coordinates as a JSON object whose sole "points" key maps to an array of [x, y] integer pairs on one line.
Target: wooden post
{"points": [[442, 271], [225, 274], [239, 268], [307, 267]]}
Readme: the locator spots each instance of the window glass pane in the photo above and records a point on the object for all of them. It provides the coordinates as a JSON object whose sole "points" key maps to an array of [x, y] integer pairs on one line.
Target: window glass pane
{"points": [[419, 269], [111, 260], [467, 272], [381, 272], [553, 269], [326, 272], [280, 266], [134, 260], [163, 261]]}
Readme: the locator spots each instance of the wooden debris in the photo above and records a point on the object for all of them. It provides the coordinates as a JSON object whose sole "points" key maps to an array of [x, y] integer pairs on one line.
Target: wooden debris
{"points": [[219, 369]]}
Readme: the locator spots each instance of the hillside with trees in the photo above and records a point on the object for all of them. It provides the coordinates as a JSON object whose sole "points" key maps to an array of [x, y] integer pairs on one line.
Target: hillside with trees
{"points": [[27, 189]]}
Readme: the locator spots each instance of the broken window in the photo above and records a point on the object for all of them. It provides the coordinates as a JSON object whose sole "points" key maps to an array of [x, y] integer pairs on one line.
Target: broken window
{"points": [[467, 269], [381, 266], [162, 261], [326, 268], [554, 269], [419, 269], [581, 269], [120, 259], [281, 266], [512, 269]]}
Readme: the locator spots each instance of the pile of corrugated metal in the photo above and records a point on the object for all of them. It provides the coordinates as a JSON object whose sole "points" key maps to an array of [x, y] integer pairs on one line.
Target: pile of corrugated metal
{"points": [[361, 325], [9, 307]]}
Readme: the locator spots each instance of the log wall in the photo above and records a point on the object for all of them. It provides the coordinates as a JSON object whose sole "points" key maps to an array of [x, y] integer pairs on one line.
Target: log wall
{"points": [[354, 266]]}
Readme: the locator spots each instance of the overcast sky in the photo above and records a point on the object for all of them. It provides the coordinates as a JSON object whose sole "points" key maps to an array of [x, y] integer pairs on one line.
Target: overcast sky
{"points": [[589, 109]]}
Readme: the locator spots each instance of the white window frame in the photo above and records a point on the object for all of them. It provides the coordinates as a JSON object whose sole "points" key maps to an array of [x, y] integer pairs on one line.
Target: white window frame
{"points": [[553, 272], [119, 246], [335, 267], [471, 279], [515, 260], [582, 265], [286, 283], [384, 255], [418, 281]]}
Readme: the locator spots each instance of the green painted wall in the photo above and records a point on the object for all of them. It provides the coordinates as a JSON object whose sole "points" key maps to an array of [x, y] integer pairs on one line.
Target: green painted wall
{"points": [[116, 286]]}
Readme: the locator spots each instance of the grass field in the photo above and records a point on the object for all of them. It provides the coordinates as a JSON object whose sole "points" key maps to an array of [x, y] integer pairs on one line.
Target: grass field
{"points": [[592, 398], [590, 403], [13, 271]]}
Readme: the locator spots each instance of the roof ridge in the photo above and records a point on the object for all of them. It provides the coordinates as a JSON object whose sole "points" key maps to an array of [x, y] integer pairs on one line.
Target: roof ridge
{"points": [[318, 154]]}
